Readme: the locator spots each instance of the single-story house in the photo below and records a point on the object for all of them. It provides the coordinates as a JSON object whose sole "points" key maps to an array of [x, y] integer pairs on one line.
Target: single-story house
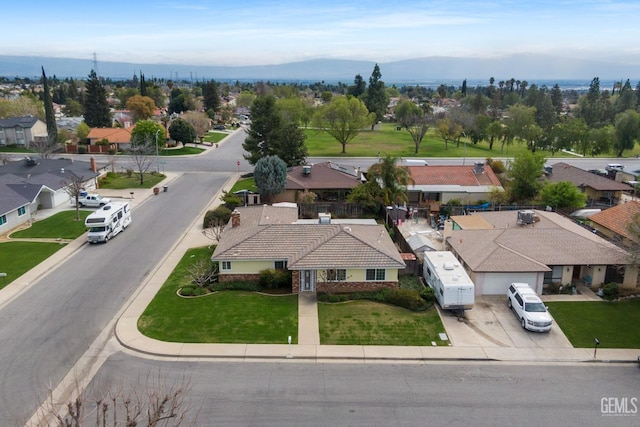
{"points": [[599, 189], [33, 183], [22, 131], [322, 254], [536, 247], [329, 181], [614, 222], [118, 138], [442, 184]]}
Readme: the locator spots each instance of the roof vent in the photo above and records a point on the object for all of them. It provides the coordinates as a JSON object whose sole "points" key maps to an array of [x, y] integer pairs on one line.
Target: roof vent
{"points": [[447, 266], [306, 170], [29, 161], [548, 169], [324, 218]]}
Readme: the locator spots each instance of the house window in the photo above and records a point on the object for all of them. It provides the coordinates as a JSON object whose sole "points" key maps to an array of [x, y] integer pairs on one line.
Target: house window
{"points": [[280, 265], [20, 136], [375, 274], [22, 210], [3, 219], [334, 275], [2, 137], [226, 265]]}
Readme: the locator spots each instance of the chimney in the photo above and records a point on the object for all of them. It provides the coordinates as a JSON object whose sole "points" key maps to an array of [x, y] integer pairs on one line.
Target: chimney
{"points": [[306, 170], [235, 218], [92, 162]]}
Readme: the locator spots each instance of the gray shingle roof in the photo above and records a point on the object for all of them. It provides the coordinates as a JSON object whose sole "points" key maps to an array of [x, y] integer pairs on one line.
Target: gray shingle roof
{"points": [[267, 233]]}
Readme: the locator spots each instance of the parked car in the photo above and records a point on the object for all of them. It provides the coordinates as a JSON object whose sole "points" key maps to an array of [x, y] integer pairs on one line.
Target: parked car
{"points": [[529, 308], [220, 127]]}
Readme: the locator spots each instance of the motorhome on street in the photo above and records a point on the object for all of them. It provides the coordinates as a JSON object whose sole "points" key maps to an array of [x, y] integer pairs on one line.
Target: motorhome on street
{"points": [[453, 288], [108, 221]]}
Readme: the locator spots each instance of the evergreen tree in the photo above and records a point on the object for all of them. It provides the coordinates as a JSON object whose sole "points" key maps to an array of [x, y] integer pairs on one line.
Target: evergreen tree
{"points": [[52, 129], [265, 123], [270, 175], [143, 85], [359, 87], [211, 96], [376, 99], [96, 107]]}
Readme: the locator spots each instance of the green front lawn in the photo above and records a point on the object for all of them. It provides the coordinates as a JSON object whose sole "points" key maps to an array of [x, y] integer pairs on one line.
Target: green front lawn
{"points": [[182, 151], [62, 225], [223, 317], [16, 258], [122, 181], [615, 324], [244, 184], [371, 323], [214, 137]]}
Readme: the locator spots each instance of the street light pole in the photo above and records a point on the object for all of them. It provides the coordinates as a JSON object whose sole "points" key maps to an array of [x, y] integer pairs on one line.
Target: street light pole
{"points": [[157, 157]]}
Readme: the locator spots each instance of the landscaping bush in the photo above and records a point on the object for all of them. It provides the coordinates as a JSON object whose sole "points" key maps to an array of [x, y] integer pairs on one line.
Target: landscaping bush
{"points": [[82, 149], [610, 291], [192, 291], [406, 298], [221, 213], [428, 294], [274, 279], [240, 285]]}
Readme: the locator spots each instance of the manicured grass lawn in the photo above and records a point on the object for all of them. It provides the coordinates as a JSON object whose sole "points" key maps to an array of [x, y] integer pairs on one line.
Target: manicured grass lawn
{"points": [[244, 184], [615, 324], [224, 317], [182, 151], [214, 137], [388, 140], [121, 181], [372, 323], [62, 225], [16, 258]]}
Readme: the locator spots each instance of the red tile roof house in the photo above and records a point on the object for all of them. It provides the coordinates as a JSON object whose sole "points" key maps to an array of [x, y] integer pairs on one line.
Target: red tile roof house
{"points": [[329, 181], [497, 249], [444, 183], [119, 138], [597, 188], [358, 254], [614, 222]]}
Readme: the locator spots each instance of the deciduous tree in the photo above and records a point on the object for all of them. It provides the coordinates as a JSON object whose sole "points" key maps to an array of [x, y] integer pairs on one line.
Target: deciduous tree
{"points": [[182, 131], [563, 194], [343, 118], [142, 107], [525, 172], [627, 131], [415, 120]]}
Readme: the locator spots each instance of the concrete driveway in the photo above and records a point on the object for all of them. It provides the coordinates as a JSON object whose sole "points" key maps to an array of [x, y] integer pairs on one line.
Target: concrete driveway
{"points": [[492, 324]]}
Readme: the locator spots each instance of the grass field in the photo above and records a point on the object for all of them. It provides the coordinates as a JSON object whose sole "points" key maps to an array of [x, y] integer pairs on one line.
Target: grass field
{"points": [[121, 181], [372, 323], [62, 225], [614, 324], [20, 257], [224, 317]]}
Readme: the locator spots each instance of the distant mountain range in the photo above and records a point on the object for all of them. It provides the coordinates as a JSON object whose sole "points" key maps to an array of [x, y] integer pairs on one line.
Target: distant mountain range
{"points": [[412, 71]]}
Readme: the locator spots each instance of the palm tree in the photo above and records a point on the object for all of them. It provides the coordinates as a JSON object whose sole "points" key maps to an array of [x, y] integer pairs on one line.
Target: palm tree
{"points": [[391, 179]]}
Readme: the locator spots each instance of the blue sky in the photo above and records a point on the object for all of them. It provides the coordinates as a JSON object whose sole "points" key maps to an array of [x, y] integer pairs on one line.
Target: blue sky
{"points": [[198, 32]]}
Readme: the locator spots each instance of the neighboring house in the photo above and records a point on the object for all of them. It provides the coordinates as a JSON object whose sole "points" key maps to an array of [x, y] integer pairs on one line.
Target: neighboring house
{"points": [[599, 189], [614, 222], [329, 181], [118, 138], [31, 184], [496, 249], [123, 118], [22, 131], [442, 184], [323, 254]]}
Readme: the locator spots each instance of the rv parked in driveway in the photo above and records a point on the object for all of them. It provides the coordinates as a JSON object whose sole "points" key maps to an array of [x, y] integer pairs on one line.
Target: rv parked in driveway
{"points": [[108, 221], [453, 288]]}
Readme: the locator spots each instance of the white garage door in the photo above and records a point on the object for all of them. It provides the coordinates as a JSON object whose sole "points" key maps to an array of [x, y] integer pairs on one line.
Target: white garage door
{"points": [[497, 283]]}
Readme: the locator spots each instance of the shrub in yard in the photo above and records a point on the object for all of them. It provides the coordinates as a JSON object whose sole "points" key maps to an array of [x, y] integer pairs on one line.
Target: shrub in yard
{"points": [[428, 294], [240, 285], [406, 298], [274, 279], [192, 291], [220, 214], [610, 291]]}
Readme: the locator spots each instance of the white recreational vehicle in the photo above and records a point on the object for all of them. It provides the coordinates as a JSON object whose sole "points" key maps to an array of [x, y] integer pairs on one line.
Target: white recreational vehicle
{"points": [[108, 221], [453, 288]]}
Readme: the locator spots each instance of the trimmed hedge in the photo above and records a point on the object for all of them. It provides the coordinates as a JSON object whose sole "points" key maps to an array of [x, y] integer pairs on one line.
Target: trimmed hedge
{"points": [[405, 298], [248, 285], [274, 279]]}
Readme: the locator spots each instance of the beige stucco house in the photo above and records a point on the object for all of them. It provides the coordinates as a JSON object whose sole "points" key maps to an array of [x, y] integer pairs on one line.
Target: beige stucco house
{"points": [[498, 248], [343, 255]]}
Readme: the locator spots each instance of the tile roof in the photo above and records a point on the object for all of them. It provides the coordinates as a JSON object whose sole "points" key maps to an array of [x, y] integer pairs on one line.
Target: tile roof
{"points": [[554, 240], [580, 177], [453, 175], [113, 135], [618, 218], [324, 175], [269, 233]]}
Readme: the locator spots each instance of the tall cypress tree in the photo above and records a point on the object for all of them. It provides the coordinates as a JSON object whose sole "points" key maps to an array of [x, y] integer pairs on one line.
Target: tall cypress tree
{"points": [[52, 129], [96, 107]]}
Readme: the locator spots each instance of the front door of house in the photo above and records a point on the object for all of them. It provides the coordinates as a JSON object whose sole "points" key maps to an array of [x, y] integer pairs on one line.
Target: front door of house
{"points": [[308, 281]]}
